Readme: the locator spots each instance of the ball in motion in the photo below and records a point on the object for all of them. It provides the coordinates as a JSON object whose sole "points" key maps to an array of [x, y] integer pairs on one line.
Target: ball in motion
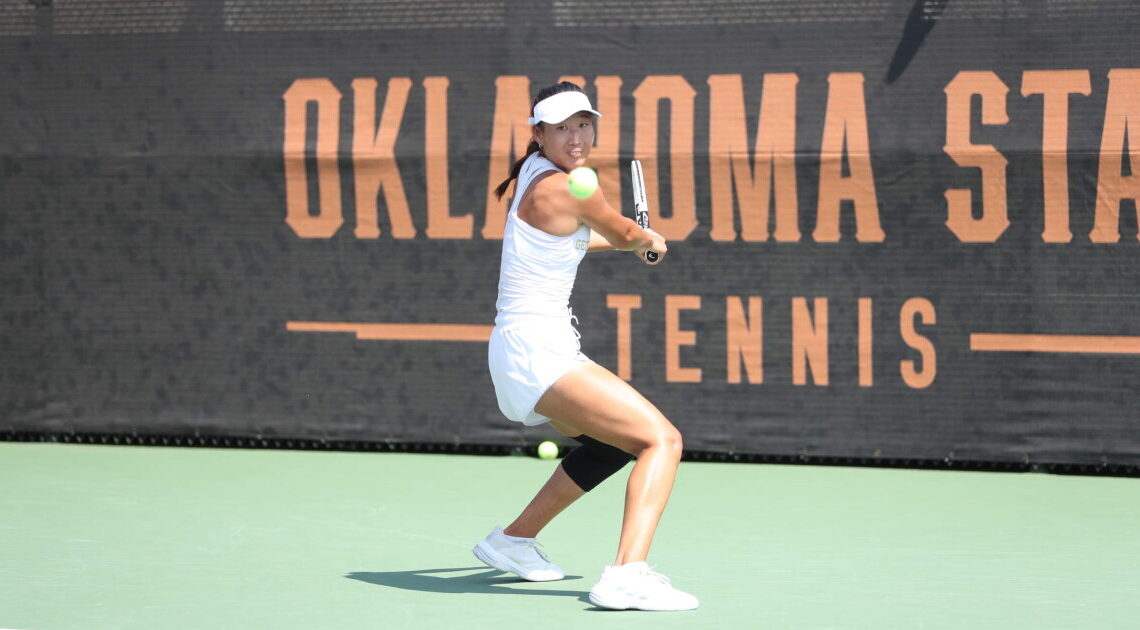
{"points": [[583, 182], [547, 450]]}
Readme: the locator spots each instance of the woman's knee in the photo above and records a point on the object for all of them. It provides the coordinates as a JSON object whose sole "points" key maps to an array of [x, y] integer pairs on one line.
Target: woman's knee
{"points": [[673, 441], [665, 437]]}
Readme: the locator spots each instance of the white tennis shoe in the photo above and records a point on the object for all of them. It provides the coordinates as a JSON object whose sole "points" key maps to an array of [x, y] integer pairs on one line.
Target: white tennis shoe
{"points": [[521, 556], [636, 586]]}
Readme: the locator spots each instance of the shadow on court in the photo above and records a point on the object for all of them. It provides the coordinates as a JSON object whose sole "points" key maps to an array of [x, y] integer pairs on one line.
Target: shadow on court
{"points": [[439, 581]]}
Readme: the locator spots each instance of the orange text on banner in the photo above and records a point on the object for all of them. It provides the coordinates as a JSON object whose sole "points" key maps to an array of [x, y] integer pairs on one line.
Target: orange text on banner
{"points": [[959, 201], [326, 97], [624, 304], [845, 136], [772, 177]]}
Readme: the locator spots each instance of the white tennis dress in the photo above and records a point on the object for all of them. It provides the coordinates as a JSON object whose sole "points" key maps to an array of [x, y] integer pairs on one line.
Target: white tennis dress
{"points": [[534, 341]]}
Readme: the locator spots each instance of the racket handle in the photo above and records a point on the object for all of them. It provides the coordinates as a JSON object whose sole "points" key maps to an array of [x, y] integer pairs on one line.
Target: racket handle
{"points": [[651, 256]]}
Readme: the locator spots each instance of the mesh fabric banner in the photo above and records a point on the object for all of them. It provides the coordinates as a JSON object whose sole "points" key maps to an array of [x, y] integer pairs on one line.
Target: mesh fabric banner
{"points": [[897, 229]]}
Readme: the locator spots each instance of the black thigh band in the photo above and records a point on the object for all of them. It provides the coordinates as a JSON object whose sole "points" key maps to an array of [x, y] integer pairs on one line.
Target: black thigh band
{"points": [[593, 462]]}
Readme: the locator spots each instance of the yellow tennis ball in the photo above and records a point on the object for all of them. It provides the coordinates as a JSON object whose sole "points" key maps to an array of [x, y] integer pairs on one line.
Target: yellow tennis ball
{"points": [[547, 450], [583, 182]]}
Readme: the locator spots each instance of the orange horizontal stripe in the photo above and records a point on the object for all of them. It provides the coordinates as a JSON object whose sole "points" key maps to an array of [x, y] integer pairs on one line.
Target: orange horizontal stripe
{"points": [[320, 327], [994, 342], [398, 332]]}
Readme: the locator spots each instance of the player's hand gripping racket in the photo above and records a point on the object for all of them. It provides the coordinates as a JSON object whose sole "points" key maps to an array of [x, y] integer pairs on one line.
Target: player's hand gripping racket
{"points": [[640, 204]]}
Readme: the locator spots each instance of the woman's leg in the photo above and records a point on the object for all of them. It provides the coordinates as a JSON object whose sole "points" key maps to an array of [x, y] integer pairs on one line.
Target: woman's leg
{"points": [[592, 400], [556, 495]]}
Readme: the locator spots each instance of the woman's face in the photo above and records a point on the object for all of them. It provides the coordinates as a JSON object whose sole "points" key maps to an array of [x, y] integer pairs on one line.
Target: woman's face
{"points": [[567, 143]]}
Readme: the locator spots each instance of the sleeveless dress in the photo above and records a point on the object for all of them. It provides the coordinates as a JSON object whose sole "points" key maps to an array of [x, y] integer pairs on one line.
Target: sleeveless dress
{"points": [[534, 342]]}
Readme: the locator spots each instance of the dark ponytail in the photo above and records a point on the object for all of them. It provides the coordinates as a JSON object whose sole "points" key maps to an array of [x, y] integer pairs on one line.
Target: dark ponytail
{"points": [[515, 169], [543, 94]]}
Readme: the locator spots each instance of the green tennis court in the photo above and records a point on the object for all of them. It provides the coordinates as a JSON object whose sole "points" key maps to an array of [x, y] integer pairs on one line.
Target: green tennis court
{"points": [[149, 537]]}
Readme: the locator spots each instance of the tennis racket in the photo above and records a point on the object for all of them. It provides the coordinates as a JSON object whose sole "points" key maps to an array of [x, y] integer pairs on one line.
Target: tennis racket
{"points": [[640, 204]]}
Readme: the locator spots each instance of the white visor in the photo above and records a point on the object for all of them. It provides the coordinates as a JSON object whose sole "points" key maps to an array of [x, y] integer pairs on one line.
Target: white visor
{"points": [[555, 109]]}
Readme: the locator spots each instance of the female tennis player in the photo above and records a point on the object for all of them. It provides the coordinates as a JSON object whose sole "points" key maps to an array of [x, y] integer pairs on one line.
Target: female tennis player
{"points": [[540, 374]]}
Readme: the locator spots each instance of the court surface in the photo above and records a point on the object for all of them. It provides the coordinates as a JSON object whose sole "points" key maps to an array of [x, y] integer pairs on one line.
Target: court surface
{"points": [[151, 537]]}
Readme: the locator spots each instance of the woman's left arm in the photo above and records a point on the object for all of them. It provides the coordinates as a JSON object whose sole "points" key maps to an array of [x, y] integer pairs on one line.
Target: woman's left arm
{"points": [[598, 243]]}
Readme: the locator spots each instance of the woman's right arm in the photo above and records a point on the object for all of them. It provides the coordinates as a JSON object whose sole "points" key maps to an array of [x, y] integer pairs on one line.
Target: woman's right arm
{"points": [[622, 232]]}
